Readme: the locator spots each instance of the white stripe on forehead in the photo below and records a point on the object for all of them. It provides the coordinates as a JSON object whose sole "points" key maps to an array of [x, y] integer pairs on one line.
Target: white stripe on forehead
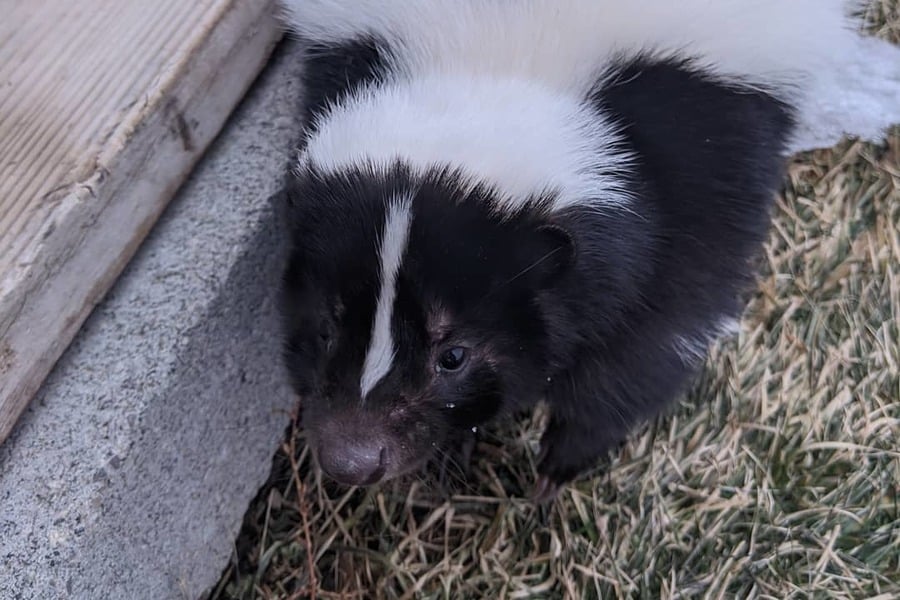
{"points": [[381, 352]]}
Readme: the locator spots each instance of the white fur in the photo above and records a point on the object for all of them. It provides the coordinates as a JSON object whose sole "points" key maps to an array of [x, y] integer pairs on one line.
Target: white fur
{"points": [[381, 351], [561, 42], [690, 350], [693, 349], [496, 87], [515, 135], [859, 95]]}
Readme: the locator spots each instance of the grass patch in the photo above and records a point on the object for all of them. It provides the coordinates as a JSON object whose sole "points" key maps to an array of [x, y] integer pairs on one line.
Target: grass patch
{"points": [[777, 476]]}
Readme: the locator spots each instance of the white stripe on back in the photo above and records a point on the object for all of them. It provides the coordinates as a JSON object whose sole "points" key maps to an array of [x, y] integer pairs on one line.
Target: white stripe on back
{"points": [[381, 352], [516, 136]]}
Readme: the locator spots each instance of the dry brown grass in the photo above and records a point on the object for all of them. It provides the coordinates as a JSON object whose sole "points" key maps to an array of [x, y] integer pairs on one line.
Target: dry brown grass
{"points": [[776, 477]]}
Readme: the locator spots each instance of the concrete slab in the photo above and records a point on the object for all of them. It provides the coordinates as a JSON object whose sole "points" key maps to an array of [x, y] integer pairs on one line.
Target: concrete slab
{"points": [[129, 474]]}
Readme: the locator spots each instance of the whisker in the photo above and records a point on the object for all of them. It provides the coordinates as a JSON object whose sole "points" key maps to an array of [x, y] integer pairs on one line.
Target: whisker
{"points": [[521, 273]]}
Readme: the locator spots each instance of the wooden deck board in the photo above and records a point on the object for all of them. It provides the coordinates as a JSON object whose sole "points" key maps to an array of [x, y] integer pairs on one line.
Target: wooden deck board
{"points": [[105, 106]]}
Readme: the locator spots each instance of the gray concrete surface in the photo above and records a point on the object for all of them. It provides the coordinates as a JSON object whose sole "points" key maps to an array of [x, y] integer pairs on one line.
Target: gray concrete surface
{"points": [[130, 473]]}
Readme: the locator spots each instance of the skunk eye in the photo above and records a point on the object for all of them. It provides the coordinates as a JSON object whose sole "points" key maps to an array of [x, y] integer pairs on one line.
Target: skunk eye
{"points": [[452, 359]]}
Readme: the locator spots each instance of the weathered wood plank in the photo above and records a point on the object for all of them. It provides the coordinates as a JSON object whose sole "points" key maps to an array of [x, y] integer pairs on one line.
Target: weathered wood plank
{"points": [[105, 106]]}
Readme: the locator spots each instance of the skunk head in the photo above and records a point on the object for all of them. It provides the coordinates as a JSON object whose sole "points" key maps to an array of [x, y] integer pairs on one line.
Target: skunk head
{"points": [[415, 311]]}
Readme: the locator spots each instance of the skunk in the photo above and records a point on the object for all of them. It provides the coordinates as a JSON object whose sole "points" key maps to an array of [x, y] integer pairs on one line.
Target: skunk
{"points": [[503, 202]]}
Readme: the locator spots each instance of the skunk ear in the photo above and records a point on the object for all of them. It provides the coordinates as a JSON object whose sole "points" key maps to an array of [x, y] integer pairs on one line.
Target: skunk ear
{"points": [[556, 254]]}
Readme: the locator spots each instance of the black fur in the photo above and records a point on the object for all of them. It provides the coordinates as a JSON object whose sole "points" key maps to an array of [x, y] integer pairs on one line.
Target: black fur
{"points": [[580, 307], [709, 164], [335, 70], [484, 288]]}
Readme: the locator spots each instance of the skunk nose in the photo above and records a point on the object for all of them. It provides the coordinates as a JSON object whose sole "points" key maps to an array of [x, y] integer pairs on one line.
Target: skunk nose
{"points": [[353, 462]]}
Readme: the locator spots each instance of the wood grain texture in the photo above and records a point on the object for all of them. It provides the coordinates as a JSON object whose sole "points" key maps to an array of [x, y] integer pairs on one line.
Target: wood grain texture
{"points": [[105, 106]]}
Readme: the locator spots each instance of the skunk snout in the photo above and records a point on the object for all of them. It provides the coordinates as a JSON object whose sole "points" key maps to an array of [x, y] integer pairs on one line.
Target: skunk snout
{"points": [[352, 455], [359, 463]]}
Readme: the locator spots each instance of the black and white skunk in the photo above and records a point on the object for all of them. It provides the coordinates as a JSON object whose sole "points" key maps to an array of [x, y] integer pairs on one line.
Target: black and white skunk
{"points": [[501, 202]]}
